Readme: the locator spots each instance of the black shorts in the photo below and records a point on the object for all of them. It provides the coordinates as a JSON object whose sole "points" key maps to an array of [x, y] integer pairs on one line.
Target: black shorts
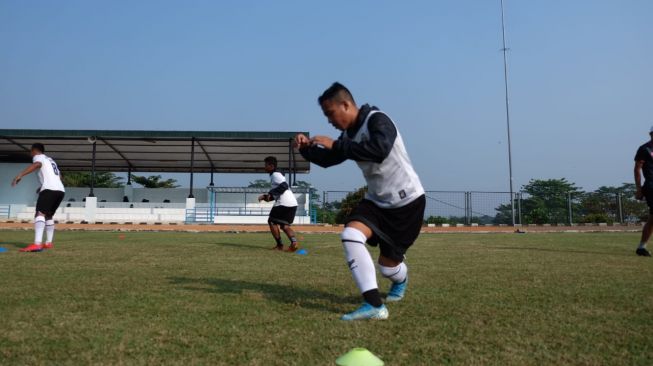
{"points": [[282, 215], [394, 229], [648, 195], [49, 201]]}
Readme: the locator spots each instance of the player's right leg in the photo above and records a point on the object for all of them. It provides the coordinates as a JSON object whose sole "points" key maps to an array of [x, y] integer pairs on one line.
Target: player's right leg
{"points": [[274, 229], [39, 227], [646, 235], [648, 227], [362, 269]]}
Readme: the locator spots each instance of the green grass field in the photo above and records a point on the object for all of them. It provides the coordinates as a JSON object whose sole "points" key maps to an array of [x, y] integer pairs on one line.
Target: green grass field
{"points": [[225, 299]]}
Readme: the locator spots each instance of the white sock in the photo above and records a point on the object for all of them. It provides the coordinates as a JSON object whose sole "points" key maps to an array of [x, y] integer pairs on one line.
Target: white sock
{"points": [[359, 259], [642, 245], [49, 231], [395, 274], [39, 226]]}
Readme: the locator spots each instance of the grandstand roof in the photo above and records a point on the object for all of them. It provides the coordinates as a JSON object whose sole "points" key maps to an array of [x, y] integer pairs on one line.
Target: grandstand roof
{"points": [[156, 151]]}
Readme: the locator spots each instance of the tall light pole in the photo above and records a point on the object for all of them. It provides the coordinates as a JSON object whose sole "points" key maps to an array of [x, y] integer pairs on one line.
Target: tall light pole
{"points": [[505, 80]]}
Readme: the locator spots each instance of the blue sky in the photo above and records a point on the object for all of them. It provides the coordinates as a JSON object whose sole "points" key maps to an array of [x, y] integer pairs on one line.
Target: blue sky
{"points": [[580, 75]]}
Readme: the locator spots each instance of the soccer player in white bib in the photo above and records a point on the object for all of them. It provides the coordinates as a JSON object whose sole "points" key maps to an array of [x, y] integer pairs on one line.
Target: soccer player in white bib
{"points": [[285, 206], [391, 214], [51, 193]]}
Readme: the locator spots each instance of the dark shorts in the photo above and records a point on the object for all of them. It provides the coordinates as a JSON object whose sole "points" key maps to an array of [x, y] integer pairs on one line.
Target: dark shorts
{"points": [[648, 195], [395, 229], [282, 215], [49, 201]]}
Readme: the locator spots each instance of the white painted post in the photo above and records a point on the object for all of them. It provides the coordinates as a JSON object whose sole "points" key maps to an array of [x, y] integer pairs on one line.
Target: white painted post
{"points": [[90, 208]]}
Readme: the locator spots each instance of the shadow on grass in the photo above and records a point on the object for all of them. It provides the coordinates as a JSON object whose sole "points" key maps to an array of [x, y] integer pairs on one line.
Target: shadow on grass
{"points": [[564, 251], [14, 244], [241, 246], [302, 297]]}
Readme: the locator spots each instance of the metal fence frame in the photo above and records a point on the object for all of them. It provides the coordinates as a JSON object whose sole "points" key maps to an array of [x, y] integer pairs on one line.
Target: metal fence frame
{"points": [[482, 207]]}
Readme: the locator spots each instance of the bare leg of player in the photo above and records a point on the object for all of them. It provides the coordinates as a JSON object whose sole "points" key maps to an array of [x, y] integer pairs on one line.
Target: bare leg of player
{"points": [[290, 233], [646, 235], [276, 234]]}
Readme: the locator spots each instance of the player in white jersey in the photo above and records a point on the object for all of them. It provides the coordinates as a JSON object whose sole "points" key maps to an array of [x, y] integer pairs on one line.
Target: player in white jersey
{"points": [[392, 213], [285, 206], [51, 193]]}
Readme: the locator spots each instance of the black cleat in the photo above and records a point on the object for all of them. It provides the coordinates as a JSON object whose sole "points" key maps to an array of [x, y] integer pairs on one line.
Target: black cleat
{"points": [[643, 252]]}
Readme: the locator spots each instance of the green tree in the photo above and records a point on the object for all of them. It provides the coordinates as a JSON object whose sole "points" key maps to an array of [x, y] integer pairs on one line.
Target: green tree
{"points": [[348, 204], [83, 179], [602, 205], [546, 201], [259, 183], [154, 181]]}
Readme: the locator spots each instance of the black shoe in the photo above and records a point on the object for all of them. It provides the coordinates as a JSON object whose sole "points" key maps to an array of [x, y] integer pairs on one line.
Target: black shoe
{"points": [[643, 252]]}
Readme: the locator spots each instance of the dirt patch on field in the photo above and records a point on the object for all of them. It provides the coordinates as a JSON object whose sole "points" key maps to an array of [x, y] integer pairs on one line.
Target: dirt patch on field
{"points": [[317, 228]]}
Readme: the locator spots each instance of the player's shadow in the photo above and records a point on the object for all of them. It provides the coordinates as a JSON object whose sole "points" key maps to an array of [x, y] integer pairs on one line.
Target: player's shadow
{"points": [[15, 244], [240, 246], [571, 251], [302, 297]]}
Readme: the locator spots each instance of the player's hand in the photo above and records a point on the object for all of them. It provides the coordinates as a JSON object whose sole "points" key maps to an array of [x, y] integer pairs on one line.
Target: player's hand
{"points": [[639, 195], [38, 190], [324, 141], [15, 181], [301, 141], [262, 197]]}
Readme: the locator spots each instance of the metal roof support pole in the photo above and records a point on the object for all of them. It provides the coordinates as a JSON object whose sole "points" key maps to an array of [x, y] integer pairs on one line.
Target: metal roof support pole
{"points": [[192, 165], [290, 162], [93, 170], [129, 176], [294, 166], [211, 184]]}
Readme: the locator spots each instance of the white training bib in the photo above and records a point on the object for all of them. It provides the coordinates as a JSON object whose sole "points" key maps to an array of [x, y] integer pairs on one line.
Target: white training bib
{"points": [[393, 182]]}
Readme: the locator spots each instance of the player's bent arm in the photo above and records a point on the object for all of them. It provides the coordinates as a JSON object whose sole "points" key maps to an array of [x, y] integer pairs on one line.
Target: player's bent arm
{"points": [[638, 175], [382, 138], [321, 156], [279, 190], [28, 170]]}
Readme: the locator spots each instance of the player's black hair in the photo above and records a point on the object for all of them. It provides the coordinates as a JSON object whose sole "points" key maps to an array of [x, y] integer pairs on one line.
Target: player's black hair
{"points": [[337, 93], [271, 160], [38, 146]]}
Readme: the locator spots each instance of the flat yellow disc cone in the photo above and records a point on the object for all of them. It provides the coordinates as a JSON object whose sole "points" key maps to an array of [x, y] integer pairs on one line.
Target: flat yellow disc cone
{"points": [[359, 357]]}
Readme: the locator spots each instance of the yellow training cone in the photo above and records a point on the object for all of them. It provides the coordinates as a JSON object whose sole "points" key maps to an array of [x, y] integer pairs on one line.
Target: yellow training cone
{"points": [[359, 357]]}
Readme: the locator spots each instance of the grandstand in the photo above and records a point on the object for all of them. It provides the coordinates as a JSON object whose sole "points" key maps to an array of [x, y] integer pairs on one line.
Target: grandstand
{"points": [[151, 151]]}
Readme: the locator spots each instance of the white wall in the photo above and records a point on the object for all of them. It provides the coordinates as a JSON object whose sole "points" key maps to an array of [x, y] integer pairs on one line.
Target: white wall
{"points": [[25, 192]]}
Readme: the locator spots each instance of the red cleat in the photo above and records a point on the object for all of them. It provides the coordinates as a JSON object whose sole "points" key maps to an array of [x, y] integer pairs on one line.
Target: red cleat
{"points": [[32, 248], [48, 246], [293, 247]]}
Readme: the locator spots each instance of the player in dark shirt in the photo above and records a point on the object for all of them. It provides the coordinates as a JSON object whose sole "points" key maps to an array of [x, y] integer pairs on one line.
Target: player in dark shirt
{"points": [[644, 164]]}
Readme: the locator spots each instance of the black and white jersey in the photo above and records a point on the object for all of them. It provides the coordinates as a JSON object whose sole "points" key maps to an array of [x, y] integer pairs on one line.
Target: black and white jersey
{"points": [[281, 192], [377, 147]]}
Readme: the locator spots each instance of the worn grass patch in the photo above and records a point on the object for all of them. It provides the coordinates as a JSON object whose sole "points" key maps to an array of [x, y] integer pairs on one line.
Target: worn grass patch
{"points": [[226, 299]]}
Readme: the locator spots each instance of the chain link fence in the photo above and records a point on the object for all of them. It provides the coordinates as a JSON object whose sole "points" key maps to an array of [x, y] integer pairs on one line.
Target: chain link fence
{"points": [[494, 208]]}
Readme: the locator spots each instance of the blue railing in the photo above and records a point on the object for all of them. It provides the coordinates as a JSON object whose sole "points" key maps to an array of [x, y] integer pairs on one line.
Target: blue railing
{"points": [[5, 211]]}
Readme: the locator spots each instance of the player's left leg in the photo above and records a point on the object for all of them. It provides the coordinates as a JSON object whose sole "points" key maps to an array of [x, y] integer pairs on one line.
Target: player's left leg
{"points": [[397, 272], [290, 233], [49, 232]]}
